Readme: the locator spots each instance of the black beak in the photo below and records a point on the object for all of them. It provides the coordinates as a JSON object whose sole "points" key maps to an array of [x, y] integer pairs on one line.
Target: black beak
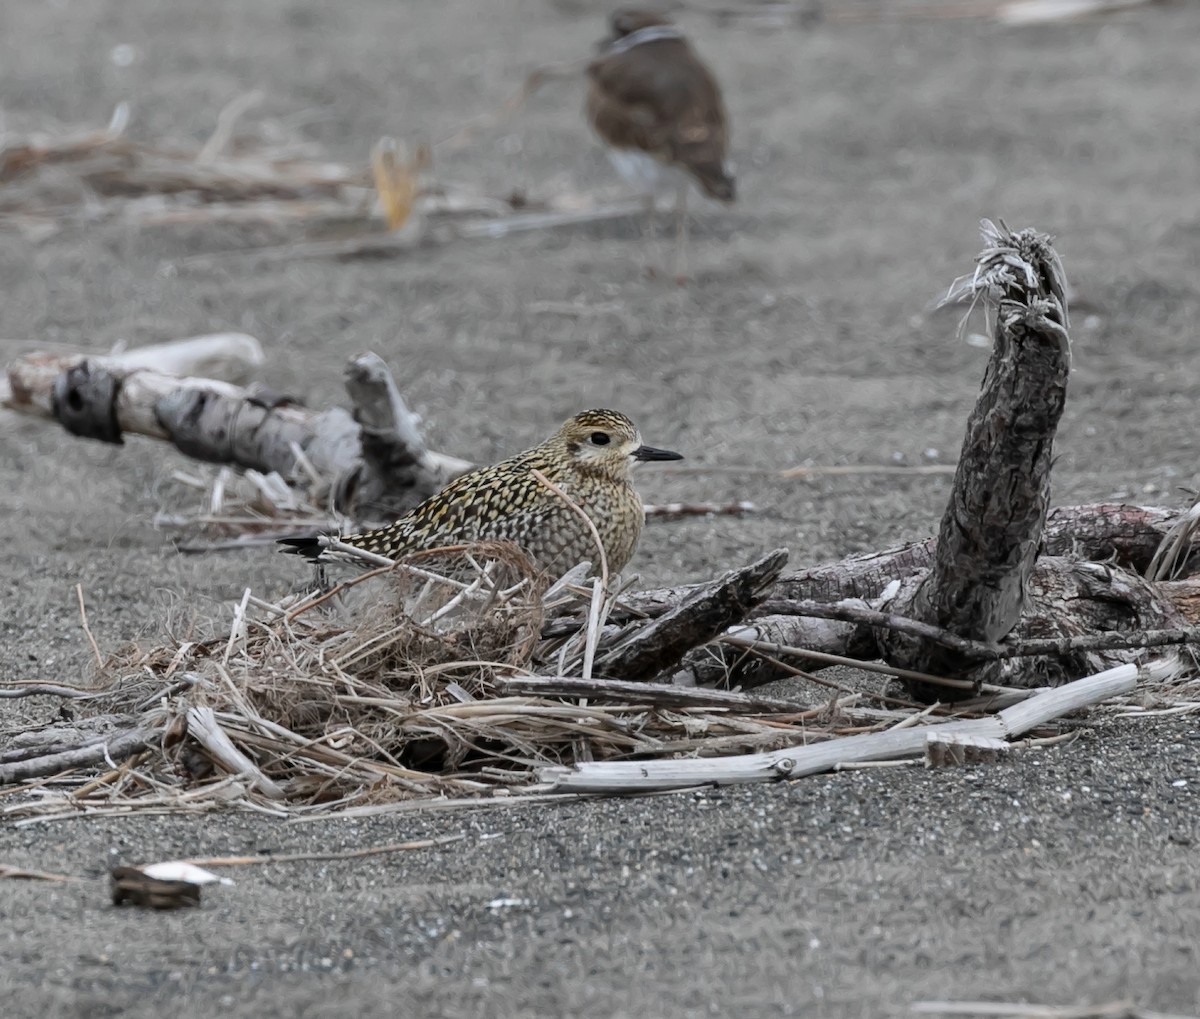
{"points": [[650, 453]]}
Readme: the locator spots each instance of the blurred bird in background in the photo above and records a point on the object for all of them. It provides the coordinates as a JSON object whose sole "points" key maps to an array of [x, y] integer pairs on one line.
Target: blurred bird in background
{"points": [[659, 111]]}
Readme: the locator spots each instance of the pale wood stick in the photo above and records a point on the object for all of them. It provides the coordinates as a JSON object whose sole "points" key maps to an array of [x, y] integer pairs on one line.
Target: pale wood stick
{"points": [[87, 629], [206, 730], [112, 749], [794, 762]]}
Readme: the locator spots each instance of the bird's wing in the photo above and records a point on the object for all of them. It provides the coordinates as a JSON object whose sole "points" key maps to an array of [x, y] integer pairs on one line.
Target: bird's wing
{"points": [[671, 108]]}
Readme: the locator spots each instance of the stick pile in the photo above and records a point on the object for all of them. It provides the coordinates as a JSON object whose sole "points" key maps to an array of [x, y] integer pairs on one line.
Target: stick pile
{"points": [[441, 680]]}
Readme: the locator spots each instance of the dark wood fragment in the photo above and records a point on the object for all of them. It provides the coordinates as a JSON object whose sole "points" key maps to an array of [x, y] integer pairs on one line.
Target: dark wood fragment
{"points": [[991, 531], [130, 887], [704, 614], [84, 401]]}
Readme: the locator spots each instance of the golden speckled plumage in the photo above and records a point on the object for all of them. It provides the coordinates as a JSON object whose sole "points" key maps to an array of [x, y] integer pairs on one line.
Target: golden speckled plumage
{"points": [[588, 458]]}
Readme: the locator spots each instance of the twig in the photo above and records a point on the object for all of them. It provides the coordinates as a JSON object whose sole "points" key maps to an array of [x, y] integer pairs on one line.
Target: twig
{"points": [[86, 629], [204, 728], [226, 119], [599, 593], [592, 636], [526, 221], [107, 777], [46, 689], [868, 765], [348, 854], [8, 871], [114, 749], [1023, 1010], [337, 545], [324, 596], [852, 613], [829, 684], [1038, 12], [1114, 640], [843, 470], [678, 510], [1171, 556], [658, 694], [238, 627], [534, 81], [389, 566]]}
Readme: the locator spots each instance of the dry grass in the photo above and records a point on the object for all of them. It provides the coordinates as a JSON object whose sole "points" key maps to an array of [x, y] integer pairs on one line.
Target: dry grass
{"points": [[393, 688], [385, 689]]}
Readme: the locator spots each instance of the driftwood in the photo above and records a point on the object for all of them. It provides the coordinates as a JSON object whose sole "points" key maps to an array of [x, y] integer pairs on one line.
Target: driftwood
{"points": [[654, 648], [386, 208], [1125, 535], [397, 471], [113, 749], [942, 607], [992, 528], [374, 460], [794, 762]]}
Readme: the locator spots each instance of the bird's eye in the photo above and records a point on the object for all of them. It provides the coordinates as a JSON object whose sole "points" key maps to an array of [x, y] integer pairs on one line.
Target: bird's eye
{"points": [[600, 439]]}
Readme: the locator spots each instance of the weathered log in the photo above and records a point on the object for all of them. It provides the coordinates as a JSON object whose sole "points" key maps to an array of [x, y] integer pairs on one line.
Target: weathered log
{"points": [[399, 471], [795, 762], [20, 156], [1125, 535], [991, 531], [111, 749], [107, 397], [1080, 616], [992, 527]]}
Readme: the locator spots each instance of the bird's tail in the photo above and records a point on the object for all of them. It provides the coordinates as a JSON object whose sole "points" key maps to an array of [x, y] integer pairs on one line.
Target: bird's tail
{"points": [[715, 180], [310, 546]]}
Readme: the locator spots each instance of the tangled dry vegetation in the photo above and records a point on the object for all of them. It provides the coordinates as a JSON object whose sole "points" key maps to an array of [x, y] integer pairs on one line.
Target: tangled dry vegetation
{"points": [[395, 684], [454, 677]]}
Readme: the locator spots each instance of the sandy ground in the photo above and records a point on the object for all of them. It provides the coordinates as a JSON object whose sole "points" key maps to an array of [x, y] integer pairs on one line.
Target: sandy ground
{"points": [[866, 154]]}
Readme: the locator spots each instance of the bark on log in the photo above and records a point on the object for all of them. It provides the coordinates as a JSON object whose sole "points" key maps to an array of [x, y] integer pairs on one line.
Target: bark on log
{"points": [[992, 528], [703, 615], [399, 471]]}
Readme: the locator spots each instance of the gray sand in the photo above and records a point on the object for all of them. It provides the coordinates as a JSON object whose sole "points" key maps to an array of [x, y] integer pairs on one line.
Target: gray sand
{"points": [[867, 153]]}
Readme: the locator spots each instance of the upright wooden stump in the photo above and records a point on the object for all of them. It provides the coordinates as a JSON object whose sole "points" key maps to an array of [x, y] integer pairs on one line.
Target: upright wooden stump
{"points": [[991, 530]]}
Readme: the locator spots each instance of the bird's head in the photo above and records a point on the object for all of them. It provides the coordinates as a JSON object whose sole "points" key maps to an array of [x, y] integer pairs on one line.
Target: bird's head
{"points": [[627, 21], [606, 442]]}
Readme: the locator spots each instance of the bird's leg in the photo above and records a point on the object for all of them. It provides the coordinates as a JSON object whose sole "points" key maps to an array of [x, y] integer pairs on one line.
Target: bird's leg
{"points": [[651, 233], [649, 205], [681, 233]]}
